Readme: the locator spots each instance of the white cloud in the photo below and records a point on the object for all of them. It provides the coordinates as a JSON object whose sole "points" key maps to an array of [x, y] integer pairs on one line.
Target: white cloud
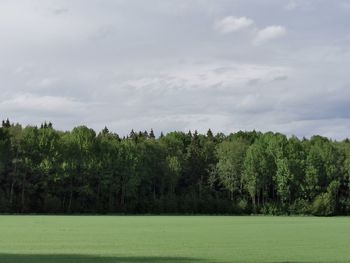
{"points": [[269, 33], [231, 24], [208, 76], [48, 104], [291, 5]]}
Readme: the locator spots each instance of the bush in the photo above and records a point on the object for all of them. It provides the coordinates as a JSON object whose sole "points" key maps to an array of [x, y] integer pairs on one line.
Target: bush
{"points": [[270, 209], [325, 203], [242, 206], [300, 206], [322, 205], [344, 204]]}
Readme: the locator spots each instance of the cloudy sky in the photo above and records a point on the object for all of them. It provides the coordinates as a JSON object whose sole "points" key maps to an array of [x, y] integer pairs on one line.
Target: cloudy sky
{"points": [[280, 65]]}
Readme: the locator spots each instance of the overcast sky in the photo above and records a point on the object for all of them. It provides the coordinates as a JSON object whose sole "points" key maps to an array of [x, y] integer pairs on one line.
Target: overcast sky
{"points": [[230, 65]]}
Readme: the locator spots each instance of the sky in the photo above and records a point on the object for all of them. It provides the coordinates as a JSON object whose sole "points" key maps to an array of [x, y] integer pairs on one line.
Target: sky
{"points": [[228, 65]]}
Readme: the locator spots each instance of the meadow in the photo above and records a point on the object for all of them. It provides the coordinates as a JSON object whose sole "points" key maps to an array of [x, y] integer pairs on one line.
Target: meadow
{"points": [[173, 239]]}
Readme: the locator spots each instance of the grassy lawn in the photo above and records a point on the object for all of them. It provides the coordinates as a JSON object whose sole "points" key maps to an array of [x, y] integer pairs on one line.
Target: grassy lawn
{"points": [[173, 239]]}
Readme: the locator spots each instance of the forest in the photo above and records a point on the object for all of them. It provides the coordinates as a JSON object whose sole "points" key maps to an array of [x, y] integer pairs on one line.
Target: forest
{"points": [[44, 170]]}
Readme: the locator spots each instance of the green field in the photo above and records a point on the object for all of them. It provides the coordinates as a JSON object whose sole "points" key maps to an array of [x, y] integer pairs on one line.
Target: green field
{"points": [[173, 239]]}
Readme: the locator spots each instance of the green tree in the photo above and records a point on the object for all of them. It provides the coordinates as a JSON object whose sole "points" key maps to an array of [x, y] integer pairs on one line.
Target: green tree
{"points": [[284, 177], [229, 167]]}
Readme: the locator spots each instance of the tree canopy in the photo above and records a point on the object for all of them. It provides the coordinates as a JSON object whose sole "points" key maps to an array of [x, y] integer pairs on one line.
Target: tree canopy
{"points": [[44, 170]]}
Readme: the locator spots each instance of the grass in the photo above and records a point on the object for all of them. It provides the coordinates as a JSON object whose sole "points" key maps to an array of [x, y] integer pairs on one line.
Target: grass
{"points": [[173, 239]]}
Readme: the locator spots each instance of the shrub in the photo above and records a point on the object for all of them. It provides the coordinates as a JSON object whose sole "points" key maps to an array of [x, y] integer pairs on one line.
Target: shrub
{"points": [[325, 203], [321, 205], [242, 206], [300, 206], [270, 209]]}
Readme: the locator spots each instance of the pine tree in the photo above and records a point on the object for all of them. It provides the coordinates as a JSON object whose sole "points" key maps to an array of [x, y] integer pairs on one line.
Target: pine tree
{"points": [[189, 134], [210, 134], [132, 134], [151, 134], [105, 130]]}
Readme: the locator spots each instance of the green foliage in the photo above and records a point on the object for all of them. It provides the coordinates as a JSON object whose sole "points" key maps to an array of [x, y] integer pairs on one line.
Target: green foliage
{"points": [[229, 167], [43, 170], [325, 203], [284, 179], [299, 207], [322, 205], [243, 206], [270, 209]]}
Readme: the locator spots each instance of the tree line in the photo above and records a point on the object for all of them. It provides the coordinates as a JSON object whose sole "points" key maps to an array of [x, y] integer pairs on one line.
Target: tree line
{"points": [[44, 170]]}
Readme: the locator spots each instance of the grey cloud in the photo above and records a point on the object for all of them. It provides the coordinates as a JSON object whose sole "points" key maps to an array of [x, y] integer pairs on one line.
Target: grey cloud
{"points": [[160, 64], [60, 11], [281, 78], [253, 82]]}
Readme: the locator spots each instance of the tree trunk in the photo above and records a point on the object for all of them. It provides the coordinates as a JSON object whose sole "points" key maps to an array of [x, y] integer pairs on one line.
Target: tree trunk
{"points": [[23, 191], [63, 202], [13, 179], [254, 203], [122, 196], [98, 195], [70, 195], [11, 192], [154, 192]]}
